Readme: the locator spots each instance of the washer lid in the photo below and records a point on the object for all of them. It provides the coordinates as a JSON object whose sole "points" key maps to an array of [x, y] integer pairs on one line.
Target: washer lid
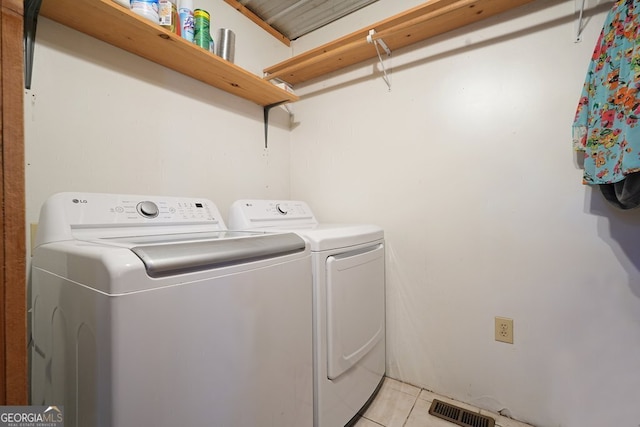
{"points": [[185, 257], [134, 239], [118, 268], [164, 255]]}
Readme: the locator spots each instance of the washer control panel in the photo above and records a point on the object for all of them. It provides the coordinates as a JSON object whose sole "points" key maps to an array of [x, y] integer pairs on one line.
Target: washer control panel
{"points": [[173, 210], [65, 216], [84, 209]]}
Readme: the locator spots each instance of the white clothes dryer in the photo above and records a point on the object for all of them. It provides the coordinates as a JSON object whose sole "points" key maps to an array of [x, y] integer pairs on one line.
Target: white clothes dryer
{"points": [[147, 311], [349, 302]]}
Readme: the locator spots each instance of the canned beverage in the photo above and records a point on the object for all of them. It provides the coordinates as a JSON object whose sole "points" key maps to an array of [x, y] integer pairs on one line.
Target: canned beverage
{"points": [[201, 34], [226, 44]]}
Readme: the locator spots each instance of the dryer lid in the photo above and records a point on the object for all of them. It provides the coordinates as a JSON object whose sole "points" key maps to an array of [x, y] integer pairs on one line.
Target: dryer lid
{"points": [[324, 237], [296, 216]]}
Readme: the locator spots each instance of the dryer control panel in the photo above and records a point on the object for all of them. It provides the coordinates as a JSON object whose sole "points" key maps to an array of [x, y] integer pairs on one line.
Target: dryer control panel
{"points": [[248, 214]]}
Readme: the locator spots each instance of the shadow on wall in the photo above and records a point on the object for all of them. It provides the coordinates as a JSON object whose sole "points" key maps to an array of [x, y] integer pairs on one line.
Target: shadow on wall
{"points": [[621, 230], [69, 42]]}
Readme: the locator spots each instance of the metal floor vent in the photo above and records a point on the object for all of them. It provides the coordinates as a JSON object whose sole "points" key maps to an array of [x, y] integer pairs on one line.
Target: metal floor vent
{"points": [[459, 416]]}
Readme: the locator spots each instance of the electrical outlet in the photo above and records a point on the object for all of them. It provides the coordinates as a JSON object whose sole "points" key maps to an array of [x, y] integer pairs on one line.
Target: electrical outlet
{"points": [[504, 330]]}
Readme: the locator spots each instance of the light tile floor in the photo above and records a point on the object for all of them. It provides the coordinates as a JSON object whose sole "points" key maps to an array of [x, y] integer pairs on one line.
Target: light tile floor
{"points": [[402, 405]]}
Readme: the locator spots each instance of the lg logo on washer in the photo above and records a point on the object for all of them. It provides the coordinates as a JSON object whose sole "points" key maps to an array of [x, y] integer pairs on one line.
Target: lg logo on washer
{"points": [[79, 201]]}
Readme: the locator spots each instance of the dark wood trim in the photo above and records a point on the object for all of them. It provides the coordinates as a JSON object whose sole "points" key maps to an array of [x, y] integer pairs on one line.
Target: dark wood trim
{"points": [[13, 325]]}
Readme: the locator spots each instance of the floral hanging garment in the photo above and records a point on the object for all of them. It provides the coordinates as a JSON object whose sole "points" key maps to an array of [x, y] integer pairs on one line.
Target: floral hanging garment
{"points": [[606, 125]]}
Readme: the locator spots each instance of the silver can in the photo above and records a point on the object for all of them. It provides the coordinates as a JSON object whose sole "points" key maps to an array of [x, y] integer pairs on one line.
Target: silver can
{"points": [[225, 44]]}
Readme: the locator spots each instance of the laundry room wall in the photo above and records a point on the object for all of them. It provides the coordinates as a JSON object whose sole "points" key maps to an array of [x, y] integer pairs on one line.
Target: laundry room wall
{"points": [[100, 119], [467, 164]]}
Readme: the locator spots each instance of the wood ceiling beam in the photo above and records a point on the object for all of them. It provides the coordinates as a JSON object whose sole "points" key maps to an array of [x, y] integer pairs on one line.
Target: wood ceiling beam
{"points": [[257, 20]]}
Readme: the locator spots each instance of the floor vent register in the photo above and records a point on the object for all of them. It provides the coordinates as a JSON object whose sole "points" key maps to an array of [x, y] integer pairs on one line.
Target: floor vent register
{"points": [[459, 416]]}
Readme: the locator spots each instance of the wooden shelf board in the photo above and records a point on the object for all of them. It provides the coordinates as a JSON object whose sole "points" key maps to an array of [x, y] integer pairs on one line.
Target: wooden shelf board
{"points": [[118, 26], [448, 15]]}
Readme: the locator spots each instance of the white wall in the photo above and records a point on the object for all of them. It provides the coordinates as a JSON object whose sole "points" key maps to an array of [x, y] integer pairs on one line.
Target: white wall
{"points": [[100, 119], [467, 164]]}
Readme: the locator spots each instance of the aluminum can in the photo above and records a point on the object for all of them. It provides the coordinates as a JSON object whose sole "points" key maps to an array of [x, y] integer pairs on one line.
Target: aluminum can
{"points": [[201, 34], [225, 47]]}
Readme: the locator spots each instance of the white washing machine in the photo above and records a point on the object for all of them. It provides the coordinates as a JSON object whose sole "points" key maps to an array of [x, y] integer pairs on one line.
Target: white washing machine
{"points": [[349, 302], [148, 312]]}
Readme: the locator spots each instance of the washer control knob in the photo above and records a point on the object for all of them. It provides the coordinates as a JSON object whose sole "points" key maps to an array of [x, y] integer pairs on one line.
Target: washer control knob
{"points": [[282, 209], [148, 209]]}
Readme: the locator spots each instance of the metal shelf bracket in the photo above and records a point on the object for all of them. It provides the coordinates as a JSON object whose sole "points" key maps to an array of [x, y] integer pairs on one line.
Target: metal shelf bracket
{"points": [[31, 11], [383, 45], [266, 110], [578, 25]]}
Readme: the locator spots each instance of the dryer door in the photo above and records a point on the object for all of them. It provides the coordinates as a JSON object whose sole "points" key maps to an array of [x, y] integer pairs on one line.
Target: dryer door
{"points": [[355, 306]]}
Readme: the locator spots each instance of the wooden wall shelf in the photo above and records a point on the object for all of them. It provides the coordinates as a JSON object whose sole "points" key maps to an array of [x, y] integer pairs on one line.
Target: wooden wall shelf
{"points": [[118, 26], [414, 25]]}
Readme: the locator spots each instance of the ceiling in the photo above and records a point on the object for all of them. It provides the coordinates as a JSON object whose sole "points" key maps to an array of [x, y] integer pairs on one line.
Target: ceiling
{"points": [[295, 18]]}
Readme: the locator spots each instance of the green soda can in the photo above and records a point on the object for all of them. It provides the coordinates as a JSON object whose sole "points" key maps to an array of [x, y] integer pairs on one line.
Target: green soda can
{"points": [[201, 34]]}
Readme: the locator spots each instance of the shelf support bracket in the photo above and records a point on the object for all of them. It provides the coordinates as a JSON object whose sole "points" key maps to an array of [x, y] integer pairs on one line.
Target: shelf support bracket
{"points": [[31, 11], [383, 45], [578, 24], [266, 119]]}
